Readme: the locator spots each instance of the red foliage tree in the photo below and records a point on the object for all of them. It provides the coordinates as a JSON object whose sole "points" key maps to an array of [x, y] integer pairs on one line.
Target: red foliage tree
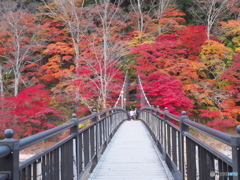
{"points": [[191, 39], [29, 111], [163, 91], [175, 55]]}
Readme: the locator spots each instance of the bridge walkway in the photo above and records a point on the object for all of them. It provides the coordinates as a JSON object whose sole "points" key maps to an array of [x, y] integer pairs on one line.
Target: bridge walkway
{"points": [[131, 155]]}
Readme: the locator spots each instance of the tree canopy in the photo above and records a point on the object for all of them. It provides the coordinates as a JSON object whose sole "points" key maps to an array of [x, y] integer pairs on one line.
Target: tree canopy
{"points": [[63, 56]]}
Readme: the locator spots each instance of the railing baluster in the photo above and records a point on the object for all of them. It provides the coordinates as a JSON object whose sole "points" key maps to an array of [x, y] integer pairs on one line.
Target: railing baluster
{"points": [[86, 147], [191, 159], [80, 153], [174, 146], [29, 171], [56, 164], [74, 130], [92, 142], [34, 170], [43, 168]]}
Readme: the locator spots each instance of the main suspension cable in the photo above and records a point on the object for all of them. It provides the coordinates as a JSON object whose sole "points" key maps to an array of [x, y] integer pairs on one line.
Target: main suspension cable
{"points": [[145, 97], [123, 86]]}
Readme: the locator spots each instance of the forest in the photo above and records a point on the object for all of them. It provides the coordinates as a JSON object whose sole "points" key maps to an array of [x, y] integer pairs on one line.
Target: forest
{"points": [[59, 57]]}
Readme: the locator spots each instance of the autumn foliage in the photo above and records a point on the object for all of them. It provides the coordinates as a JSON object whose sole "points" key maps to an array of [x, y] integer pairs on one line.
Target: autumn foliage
{"points": [[163, 91], [71, 57], [29, 111]]}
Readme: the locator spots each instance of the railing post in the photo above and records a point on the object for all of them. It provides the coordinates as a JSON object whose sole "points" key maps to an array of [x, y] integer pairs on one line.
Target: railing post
{"points": [[183, 128], [76, 155], [235, 142], [95, 120], [10, 164], [166, 118], [151, 123], [153, 108], [158, 123]]}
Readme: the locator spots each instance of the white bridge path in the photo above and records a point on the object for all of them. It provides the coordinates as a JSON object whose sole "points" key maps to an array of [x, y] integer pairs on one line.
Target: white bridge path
{"points": [[131, 155]]}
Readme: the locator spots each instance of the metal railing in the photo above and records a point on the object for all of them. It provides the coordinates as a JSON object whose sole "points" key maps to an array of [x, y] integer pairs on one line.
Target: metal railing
{"points": [[186, 155], [73, 157]]}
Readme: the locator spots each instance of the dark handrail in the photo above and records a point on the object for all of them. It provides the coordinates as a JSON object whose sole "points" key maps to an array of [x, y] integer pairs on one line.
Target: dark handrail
{"points": [[4, 151], [211, 149], [33, 158], [223, 137], [28, 141], [172, 116], [3, 176]]}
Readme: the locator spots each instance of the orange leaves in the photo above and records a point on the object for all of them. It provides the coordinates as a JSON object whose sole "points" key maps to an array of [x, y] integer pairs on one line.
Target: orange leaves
{"points": [[59, 48], [231, 27], [231, 33], [53, 70], [67, 58], [60, 53], [215, 56], [222, 118], [170, 21], [215, 50]]}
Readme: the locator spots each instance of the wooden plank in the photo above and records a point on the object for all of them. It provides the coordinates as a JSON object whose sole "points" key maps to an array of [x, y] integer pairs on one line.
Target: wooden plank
{"points": [[131, 155]]}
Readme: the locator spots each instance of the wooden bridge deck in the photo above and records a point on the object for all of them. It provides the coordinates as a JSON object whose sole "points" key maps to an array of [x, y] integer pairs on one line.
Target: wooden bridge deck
{"points": [[131, 155]]}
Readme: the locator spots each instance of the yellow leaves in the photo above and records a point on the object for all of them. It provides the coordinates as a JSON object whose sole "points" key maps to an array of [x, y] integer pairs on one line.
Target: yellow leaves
{"points": [[138, 38], [56, 58], [237, 49], [236, 41], [231, 33], [231, 28], [215, 56], [213, 49], [207, 101]]}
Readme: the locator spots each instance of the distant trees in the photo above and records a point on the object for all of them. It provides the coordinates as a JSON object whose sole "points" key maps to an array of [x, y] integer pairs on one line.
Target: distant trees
{"points": [[19, 37], [79, 49], [200, 65], [97, 48]]}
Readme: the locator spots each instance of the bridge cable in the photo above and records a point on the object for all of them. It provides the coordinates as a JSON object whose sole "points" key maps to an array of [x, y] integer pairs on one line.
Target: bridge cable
{"points": [[145, 97], [123, 86]]}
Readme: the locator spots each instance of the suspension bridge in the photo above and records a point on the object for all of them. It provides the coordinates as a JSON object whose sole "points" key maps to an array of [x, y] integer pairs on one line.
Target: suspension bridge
{"points": [[114, 147]]}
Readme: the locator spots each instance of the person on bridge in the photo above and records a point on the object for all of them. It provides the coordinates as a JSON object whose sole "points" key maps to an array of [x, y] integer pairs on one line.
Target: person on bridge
{"points": [[136, 111], [132, 114]]}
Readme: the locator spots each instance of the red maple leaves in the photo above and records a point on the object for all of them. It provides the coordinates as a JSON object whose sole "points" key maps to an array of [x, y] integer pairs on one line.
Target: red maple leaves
{"points": [[29, 111]]}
